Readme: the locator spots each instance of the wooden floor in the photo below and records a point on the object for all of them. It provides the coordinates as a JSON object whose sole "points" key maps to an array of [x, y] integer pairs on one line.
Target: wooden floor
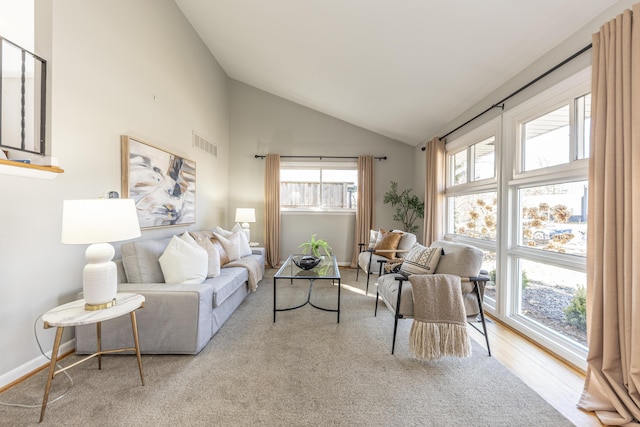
{"points": [[558, 383]]}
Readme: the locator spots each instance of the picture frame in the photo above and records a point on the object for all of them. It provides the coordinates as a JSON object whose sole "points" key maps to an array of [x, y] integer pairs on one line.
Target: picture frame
{"points": [[162, 184]]}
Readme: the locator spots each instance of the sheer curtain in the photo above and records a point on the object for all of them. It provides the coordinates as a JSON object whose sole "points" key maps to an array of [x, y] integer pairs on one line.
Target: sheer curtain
{"points": [[613, 244], [364, 210], [434, 191], [272, 209]]}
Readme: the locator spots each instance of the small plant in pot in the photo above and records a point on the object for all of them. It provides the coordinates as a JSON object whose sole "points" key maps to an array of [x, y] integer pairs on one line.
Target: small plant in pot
{"points": [[314, 246]]}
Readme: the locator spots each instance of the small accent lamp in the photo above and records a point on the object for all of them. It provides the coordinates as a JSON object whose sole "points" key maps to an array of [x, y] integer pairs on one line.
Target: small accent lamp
{"points": [[245, 216], [97, 222]]}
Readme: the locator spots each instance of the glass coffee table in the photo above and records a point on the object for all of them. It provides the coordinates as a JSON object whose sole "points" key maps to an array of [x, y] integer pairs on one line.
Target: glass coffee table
{"points": [[327, 269]]}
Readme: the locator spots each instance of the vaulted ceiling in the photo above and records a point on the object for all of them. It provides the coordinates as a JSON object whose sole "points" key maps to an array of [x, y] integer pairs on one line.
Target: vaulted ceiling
{"points": [[402, 68]]}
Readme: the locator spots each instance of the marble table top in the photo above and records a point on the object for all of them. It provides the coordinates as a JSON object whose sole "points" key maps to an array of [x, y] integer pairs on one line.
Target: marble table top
{"points": [[74, 313]]}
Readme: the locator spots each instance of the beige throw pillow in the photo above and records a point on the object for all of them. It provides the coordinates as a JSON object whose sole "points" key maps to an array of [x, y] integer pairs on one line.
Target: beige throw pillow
{"points": [[203, 239], [387, 241], [236, 245], [421, 260]]}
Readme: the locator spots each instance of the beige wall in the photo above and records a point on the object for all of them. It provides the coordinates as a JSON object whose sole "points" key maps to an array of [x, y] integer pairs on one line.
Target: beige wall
{"points": [[115, 67], [262, 123]]}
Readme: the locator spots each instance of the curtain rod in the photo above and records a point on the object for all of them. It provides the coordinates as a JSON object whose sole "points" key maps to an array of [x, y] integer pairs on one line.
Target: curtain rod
{"points": [[259, 156], [500, 104]]}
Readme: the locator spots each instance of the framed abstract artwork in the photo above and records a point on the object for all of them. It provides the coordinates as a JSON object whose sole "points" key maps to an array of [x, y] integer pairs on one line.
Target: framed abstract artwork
{"points": [[162, 184]]}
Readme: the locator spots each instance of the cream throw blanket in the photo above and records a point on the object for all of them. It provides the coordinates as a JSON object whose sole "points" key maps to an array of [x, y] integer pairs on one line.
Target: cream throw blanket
{"points": [[253, 268], [439, 327]]}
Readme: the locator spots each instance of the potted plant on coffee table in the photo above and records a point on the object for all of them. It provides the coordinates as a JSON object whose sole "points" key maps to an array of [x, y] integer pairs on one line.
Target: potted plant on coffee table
{"points": [[315, 247]]}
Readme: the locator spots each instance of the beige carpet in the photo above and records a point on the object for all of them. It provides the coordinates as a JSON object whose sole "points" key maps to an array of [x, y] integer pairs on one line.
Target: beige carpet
{"points": [[303, 370]]}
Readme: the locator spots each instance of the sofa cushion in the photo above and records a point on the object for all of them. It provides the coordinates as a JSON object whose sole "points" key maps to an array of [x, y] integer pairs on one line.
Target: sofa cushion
{"points": [[140, 260], [421, 260], [406, 243], [230, 279], [184, 261], [458, 258]]}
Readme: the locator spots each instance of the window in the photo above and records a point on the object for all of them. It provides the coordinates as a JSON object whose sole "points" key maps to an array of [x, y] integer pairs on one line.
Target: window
{"points": [[474, 163], [556, 137], [474, 215], [472, 195], [554, 217], [23, 99], [318, 187], [22, 83], [531, 223]]}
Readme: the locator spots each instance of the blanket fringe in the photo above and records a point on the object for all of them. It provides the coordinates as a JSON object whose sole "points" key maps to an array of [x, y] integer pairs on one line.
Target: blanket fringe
{"points": [[435, 340]]}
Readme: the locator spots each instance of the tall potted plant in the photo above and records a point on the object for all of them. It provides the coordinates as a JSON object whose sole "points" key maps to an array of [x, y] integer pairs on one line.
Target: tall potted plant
{"points": [[408, 206]]}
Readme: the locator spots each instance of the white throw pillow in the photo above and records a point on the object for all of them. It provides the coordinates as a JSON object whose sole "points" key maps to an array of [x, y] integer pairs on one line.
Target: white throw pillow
{"points": [[182, 262], [236, 245], [373, 238], [221, 231], [245, 248]]}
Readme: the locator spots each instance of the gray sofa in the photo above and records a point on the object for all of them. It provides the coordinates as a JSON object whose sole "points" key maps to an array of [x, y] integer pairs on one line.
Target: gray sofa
{"points": [[176, 318]]}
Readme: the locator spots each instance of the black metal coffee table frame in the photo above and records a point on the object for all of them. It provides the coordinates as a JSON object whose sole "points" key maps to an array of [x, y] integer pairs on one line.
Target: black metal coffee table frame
{"points": [[326, 270]]}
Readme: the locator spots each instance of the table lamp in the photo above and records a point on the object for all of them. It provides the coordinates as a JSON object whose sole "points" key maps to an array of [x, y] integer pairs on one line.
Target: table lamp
{"points": [[245, 216], [98, 222]]}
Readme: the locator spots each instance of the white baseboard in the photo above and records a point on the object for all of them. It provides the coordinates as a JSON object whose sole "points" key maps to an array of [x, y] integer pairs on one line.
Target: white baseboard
{"points": [[34, 365]]}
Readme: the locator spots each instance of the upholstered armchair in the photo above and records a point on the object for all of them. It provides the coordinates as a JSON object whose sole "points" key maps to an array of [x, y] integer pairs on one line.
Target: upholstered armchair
{"points": [[383, 246], [395, 290]]}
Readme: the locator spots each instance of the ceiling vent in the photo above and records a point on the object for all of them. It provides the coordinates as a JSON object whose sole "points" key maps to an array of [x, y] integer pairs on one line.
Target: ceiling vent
{"points": [[203, 144]]}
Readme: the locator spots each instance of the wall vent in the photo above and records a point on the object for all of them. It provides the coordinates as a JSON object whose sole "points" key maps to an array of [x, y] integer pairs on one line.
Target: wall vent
{"points": [[203, 144]]}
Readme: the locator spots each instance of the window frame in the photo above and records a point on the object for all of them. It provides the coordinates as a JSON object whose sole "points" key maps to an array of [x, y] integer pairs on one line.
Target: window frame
{"points": [[319, 165], [513, 180], [465, 142], [510, 178], [37, 118]]}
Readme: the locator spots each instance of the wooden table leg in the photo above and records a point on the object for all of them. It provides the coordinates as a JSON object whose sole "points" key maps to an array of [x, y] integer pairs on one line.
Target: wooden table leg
{"points": [[134, 326], [52, 369]]}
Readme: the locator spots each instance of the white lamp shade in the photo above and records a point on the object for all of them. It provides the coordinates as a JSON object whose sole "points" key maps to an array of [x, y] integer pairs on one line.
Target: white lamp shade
{"points": [[99, 221], [245, 215]]}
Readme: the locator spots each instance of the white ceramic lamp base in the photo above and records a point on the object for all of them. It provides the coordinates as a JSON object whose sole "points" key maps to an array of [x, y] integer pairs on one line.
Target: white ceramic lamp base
{"points": [[247, 230], [99, 277]]}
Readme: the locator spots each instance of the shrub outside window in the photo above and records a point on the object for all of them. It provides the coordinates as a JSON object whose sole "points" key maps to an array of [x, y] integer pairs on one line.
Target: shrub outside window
{"points": [[474, 215]]}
